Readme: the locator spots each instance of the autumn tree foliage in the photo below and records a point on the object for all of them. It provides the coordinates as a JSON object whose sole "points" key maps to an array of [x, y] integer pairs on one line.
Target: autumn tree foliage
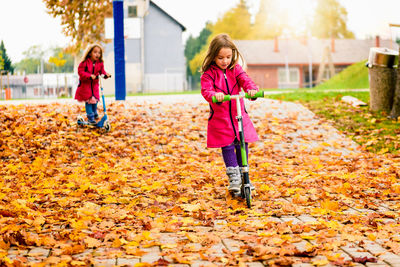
{"points": [[236, 22], [82, 20], [266, 24], [5, 61], [192, 47], [330, 20], [1, 61]]}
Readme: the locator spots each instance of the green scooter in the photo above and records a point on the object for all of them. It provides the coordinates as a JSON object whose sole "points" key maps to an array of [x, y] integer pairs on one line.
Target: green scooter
{"points": [[245, 191]]}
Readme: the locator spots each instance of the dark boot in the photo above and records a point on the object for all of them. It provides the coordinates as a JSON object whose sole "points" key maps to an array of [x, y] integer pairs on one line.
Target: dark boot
{"points": [[91, 119]]}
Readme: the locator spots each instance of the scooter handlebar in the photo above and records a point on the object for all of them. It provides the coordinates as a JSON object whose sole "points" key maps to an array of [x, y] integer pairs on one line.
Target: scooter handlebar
{"points": [[104, 76], [246, 95]]}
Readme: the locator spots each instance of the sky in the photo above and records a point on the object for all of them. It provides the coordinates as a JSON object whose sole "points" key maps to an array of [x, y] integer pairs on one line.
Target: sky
{"points": [[25, 23]]}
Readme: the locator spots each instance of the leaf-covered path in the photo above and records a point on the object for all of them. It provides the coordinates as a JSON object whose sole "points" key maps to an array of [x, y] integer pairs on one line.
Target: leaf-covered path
{"points": [[150, 193]]}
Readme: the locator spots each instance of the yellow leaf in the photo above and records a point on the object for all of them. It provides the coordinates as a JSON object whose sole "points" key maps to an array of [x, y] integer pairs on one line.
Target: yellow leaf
{"points": [[168, 246], [143, 264], [320, 262], [330, 205], [116, 243], [308, 237], [372, 237], [191, 207], [383, 150], [79, 263]]}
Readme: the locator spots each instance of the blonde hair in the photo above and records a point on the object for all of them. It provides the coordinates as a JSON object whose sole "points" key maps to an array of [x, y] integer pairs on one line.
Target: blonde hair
{"points": [[89, 50], [220, 41]]}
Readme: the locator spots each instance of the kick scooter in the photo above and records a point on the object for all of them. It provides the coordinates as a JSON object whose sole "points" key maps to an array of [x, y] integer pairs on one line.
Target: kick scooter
{"points": [[245, 191], [103, 123]]}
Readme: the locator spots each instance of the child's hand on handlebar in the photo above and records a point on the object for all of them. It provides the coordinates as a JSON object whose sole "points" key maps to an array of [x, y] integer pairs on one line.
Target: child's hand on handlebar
{"points": [[252, 92], [219, 97]]}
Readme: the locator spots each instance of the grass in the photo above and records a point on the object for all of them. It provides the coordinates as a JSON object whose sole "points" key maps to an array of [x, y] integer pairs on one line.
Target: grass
{"points": [[355, 76], [372, 130]]}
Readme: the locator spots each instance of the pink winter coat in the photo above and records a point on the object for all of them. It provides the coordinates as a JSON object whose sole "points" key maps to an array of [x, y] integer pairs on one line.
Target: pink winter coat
{"points": [[222, 123], [88, 87]]}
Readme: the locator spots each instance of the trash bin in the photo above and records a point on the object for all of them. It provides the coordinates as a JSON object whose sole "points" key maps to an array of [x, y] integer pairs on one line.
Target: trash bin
{"points": [[8, 93], [382, 77]]}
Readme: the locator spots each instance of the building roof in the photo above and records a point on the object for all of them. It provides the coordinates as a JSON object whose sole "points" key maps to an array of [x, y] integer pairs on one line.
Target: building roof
{"points": [[168, 15], [294, 51]]}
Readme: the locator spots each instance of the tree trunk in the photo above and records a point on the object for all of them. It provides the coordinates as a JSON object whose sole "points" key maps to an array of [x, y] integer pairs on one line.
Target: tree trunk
{"points": [[395, 113], [382, 82]]}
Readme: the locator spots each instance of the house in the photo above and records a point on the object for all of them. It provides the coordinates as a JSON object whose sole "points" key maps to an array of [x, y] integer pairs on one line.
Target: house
{"points": [[286, 63], [154, 51]]}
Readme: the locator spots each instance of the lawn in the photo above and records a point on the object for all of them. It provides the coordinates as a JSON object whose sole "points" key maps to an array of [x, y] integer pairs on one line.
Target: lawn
{"points": [[373, 130]]}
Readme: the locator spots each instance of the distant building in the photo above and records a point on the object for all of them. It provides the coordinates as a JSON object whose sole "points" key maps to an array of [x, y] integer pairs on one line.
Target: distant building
{"points": [[286, 63], [154, 52], [47, 85]]}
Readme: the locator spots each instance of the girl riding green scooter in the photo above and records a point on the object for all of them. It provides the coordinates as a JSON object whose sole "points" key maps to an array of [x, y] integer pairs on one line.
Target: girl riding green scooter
{"points": [[221, 76]]}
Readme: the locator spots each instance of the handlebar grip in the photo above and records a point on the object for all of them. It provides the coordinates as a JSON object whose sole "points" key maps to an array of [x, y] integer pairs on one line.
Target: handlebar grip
{"points": [[226, 98], [257, 95]]}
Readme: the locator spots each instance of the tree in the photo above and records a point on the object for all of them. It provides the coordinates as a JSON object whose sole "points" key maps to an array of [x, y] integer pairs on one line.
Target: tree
{"points": [[60, 61], [266, 24], [7, 64], [1, 61], [36, 57], [235, 22], [31, 63], [82, 20], [192, 47], [330, 20]]}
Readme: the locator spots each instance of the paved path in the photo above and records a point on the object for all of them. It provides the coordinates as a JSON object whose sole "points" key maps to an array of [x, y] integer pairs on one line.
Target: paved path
{"points": [[291, 136]]}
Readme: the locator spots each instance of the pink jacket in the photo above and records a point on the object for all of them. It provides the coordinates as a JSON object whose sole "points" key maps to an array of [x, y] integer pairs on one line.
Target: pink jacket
{"points": [[222, 124], [88, 87]]}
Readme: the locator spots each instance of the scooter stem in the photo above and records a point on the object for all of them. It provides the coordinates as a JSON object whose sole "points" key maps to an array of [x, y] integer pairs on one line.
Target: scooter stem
{"points": [[102, 95]]}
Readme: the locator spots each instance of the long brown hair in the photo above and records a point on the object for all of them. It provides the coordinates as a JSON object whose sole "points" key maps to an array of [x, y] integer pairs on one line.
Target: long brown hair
{"points": [[220, 41], [89, 50]]}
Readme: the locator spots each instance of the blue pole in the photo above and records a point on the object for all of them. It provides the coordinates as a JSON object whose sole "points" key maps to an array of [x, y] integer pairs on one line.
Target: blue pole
{"points": [[119, 49]]}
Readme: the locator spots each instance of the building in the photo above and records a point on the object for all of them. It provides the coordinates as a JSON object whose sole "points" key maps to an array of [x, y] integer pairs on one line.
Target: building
{"points": [[287, 63], [160, 65], [47, 85]]}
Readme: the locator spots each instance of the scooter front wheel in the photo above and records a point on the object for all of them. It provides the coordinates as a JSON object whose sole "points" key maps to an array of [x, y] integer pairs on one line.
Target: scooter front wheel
{"points": [[247, 194], [107, 126]]}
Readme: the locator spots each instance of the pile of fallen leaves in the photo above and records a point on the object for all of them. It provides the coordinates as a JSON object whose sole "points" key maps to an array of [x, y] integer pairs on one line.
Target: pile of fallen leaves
{"points": [[72, 190]]}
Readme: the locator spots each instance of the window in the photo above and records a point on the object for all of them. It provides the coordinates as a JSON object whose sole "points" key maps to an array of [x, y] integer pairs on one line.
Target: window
{"points": [[132, 11], [288, 79]]}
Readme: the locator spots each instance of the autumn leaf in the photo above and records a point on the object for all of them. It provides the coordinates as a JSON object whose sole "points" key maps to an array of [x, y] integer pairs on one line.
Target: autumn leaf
{"points": [[151, 184], [92, 242]]}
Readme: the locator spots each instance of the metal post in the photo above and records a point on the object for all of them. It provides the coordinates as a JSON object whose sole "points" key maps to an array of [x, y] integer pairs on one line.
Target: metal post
{"points": [[119, 50], [142, 84], [309, 65], [1, 84], [142, 14]]}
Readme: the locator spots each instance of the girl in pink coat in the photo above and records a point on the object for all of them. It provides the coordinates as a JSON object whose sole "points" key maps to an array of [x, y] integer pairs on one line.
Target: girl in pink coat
{"points": [[88, 89], [222, 75]]}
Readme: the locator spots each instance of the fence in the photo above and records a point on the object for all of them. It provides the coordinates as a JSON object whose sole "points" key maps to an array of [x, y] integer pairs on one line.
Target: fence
{"points": [[165, 82], [48, 85]]}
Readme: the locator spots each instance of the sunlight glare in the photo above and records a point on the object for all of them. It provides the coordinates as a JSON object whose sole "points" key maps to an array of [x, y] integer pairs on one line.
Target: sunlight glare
{"points": [[296, 14]]}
